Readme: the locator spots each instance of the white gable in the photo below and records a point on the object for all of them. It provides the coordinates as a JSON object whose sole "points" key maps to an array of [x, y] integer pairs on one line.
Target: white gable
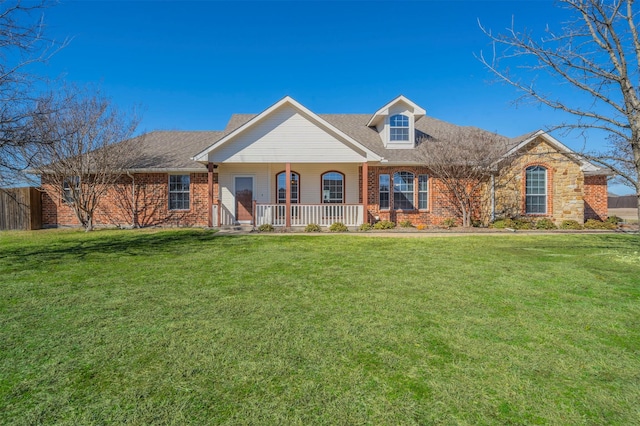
{"points": [[287, 132], [286, 135]]}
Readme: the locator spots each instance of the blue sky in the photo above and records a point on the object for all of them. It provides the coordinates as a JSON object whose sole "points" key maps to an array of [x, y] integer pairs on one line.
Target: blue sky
{"points": [[190, 65]]}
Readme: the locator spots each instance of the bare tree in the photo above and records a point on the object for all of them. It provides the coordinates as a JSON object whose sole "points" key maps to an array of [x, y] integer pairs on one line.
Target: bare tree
{"points": [[464, 161], [86, 150], [22, 44], [597, 53]]}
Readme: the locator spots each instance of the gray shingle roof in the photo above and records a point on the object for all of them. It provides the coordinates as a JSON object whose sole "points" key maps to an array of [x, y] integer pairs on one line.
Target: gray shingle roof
{"points": [[174, 149], [171, 149], [355, 125]]}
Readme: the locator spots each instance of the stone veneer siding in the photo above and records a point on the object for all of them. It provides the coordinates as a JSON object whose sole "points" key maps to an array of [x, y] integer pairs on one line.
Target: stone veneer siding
{"points": [[570, 196], [116, 208]]}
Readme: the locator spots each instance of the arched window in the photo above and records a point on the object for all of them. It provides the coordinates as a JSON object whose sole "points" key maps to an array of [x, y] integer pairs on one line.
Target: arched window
{"points": [[403, 191], [399, 128], [333, 188], [281, 188], [536, 190]]}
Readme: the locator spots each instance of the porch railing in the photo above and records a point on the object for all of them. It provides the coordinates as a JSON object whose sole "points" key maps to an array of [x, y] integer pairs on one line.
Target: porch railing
{"points": [[304, 214], [273, 214], [221, 215]]}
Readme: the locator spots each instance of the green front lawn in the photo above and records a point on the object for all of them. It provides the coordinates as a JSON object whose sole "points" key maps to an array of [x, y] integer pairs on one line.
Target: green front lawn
{"points": [[186, 326]]}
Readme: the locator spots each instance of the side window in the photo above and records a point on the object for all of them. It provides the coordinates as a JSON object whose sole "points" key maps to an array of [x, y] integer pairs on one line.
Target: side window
{"points": [[384, 191], [179, 192], [70, 187], [536, 190], [423, 192]]}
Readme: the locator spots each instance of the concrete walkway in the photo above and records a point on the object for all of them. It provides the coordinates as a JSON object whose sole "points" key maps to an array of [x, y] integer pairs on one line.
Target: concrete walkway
{"points": [[424, 234]]}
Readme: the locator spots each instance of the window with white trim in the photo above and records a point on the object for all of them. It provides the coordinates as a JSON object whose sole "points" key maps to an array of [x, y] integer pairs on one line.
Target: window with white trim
{"points": [[403, 191], [333, 188], [423, 192], [399, 128], [281, 182], [384, 185], [70, 188], [179, 192], [536, 190]]}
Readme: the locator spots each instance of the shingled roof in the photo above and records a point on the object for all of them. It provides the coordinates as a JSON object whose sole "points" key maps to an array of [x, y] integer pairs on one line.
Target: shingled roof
{"points": [[168, 150], [173, 150]]}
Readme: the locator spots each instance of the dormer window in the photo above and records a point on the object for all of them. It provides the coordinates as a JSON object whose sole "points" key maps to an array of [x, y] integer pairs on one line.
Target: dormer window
{"points": [[399, 128], [395, 123]]}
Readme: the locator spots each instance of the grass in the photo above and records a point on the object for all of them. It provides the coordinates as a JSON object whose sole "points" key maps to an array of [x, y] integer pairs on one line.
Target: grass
{"points": [[186, 326]]}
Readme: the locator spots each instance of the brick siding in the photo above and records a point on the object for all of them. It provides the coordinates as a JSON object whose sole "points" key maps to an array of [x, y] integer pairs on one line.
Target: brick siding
{"points": [[439, 204], [571, 195], [595, 197], [116, 208]]}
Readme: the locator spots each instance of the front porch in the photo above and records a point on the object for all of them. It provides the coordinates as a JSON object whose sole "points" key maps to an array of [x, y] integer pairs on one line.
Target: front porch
{"points": [[288, 195]]}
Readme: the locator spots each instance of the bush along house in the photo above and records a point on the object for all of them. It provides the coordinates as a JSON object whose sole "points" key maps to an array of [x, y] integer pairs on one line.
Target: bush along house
{"points": [[289, 167]]}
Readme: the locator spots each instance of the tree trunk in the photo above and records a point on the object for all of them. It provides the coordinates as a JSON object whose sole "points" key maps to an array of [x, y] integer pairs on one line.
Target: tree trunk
{"points": [[465, 215], [638, 206], [635, 150], [88, 224]]}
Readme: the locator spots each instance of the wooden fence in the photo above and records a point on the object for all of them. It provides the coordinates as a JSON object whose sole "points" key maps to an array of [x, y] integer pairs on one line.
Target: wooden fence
{"points": [[623, 202], [20, 208]]}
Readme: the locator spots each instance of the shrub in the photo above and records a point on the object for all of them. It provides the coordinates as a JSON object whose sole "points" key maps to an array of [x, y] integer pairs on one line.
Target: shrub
{"points": [[545, 224], [614, 219], [598, 224], [312, 227], [365, 227], [476, 223], [405, 224], [507, 223], [570, 224], [502, 223], [266, 227], [449, 222], [384, 224], [421, 227], [338, 227], [522, 224]]}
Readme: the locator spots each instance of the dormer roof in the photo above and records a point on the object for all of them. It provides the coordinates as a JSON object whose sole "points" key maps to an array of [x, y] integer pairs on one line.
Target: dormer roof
{"points": [[384, 111]]}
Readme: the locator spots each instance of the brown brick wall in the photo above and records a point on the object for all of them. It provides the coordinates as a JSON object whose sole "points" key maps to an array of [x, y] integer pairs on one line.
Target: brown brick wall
{"points": [[570, 196], [439, 204], [151, 203], [595, 197]]}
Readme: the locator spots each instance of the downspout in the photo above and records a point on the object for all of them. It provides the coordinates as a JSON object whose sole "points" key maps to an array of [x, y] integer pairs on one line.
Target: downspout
{"points": [[493, 197], [133, 200]]}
